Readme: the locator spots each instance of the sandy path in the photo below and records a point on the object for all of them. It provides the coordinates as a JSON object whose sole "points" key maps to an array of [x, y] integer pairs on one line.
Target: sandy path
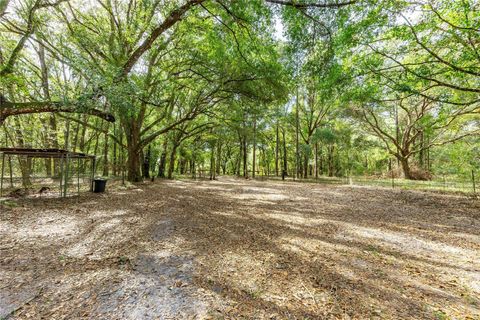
{"points": [[232, 248]]}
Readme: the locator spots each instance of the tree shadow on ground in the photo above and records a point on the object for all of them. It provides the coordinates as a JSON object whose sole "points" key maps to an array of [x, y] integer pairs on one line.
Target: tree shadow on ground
{"points": [[263, 249], [369, 279]]}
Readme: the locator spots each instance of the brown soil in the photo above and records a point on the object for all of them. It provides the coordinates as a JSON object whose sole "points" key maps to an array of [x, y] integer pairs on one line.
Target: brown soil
{"points": [[241, 249]]}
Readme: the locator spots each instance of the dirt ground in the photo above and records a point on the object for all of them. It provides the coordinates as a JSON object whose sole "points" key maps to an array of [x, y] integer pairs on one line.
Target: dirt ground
{"points": [[241, 249]]}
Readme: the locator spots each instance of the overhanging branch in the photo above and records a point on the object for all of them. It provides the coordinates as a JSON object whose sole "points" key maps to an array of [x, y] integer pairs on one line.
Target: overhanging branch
{"points": [[8, 109]]}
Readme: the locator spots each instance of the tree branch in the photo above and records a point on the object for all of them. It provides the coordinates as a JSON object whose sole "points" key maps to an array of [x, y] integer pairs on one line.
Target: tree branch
{"points": [[174, 17], [8, 109], [304, 5]]}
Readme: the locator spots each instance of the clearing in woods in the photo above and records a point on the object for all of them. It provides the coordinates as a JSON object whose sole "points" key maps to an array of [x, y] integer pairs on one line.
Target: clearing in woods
{"points": [[233, 248]]}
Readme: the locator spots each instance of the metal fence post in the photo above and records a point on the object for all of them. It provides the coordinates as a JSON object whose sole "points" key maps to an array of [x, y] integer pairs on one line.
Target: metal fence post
{"points": [[65, 174], [10, 170], [473, 182], [393, 175], [78, 176], [61, 174], [92, 174], [3, 171]]}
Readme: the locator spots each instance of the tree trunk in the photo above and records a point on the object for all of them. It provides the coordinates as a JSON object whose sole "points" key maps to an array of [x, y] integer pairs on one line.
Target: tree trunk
{"points": [[133, 164], [146, 163], [10, 167], [25, 168], [77, 133], [54, 142], [219, 157], [277, 142], [285, 158], [25, 162], [132, 134], [212, 162], [331, 150], [46, 93], [105, 153], [193, 169], [321, 163], [421, 153], [397, 130], [406, 168], [82, 143], [297, 151], [306, 158], [83, 135], [183, 164], [245, 158], [115, 159], [239, 159], [254, 147], [428, 155], [97, 136], [47, 161], [163, 160], [171, 165]]}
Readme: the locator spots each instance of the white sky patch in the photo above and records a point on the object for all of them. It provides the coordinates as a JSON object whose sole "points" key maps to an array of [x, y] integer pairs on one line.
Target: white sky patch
{"points": [[279, 33], [413, 16]]}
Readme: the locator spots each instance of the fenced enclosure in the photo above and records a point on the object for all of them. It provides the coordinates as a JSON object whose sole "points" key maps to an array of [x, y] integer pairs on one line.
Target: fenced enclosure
{"points": [[37, 172], [445, 183], [440, 183], [451, 183]]}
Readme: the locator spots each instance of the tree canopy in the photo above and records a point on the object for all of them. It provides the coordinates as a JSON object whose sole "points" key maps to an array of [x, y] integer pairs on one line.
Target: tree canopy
{"points": [[300, 87]]}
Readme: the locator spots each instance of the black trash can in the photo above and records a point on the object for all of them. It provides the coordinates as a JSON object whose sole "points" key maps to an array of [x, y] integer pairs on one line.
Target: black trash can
{"points": [[99, 185]]}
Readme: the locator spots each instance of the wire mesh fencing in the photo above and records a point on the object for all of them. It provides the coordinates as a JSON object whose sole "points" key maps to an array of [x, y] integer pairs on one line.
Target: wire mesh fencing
{"points": [[30, 177], [463, 184]]}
